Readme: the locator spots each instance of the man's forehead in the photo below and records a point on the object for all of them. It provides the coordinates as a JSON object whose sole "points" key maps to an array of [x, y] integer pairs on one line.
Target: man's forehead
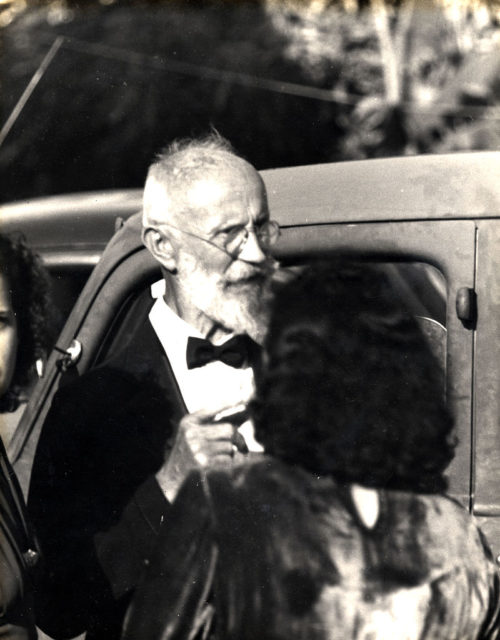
{"points": [[215, 192], [224, 185], [238, 184], [205, 191]]}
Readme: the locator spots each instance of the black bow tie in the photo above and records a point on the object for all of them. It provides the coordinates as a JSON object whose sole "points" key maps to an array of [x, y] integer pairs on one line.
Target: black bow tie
{"points": [[235, 352]]}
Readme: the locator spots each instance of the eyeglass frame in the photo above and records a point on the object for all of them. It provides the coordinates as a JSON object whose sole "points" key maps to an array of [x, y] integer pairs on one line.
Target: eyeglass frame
{"points": [[273, 224]]}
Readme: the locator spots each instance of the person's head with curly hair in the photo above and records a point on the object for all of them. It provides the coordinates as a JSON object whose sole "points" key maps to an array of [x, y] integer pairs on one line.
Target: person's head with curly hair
{"points": [[350, 387], [23, 317]]}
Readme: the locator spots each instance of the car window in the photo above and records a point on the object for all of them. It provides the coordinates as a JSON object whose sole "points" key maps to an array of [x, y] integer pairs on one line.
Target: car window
{"points": [[65, 287], [424, 288]]}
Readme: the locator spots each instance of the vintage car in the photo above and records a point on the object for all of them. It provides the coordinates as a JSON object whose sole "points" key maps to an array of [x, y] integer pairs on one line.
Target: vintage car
{"points": [[434, 221]]}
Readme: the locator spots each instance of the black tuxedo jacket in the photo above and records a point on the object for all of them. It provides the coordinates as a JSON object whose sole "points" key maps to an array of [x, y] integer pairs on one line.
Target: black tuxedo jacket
{"points": [[94, 502]]}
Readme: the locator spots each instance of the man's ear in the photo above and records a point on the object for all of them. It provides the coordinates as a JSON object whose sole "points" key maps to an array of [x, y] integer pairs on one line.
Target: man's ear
{"points": [[160, 248]]}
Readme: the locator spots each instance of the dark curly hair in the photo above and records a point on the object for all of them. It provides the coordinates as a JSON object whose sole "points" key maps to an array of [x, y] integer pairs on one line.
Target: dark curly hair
{"points": [[29, 289], [350, 387]]}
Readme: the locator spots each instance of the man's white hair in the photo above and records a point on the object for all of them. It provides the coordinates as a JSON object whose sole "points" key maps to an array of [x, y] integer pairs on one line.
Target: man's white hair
{"points": [[180, 164]]}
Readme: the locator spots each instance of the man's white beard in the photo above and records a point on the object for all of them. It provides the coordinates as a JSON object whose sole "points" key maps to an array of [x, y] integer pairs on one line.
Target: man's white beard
{"points": [[244, 310], [239, 308]]}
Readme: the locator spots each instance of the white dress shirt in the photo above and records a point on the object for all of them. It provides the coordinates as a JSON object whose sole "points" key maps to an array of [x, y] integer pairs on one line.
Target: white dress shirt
{"points": [[214, 386]]}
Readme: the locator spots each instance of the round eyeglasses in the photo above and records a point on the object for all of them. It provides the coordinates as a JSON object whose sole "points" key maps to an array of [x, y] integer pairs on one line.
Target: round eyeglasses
{"points": [[233, 240]]}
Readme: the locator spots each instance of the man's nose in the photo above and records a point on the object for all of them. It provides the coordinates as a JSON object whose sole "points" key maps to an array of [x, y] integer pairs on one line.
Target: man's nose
{"points": [[252, 251]]}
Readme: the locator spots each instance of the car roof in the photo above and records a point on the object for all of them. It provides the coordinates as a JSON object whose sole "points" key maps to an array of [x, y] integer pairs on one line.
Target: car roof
{"points": [[451, 186], [79, 224]]}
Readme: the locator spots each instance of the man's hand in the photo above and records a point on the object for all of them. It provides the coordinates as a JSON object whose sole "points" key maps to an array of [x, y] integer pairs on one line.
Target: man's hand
{"points": [[204, 440]]}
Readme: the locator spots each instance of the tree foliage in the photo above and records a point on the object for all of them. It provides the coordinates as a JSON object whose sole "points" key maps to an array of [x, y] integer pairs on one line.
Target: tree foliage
{"points": [[128, 79], [412, 77], [287, 81]]}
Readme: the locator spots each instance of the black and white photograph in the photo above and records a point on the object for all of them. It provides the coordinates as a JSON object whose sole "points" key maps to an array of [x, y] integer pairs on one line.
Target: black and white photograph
{"points": [[250, 319]]}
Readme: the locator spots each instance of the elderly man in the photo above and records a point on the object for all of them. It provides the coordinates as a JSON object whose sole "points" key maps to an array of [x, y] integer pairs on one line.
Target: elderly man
{"points": [[119, 441]]}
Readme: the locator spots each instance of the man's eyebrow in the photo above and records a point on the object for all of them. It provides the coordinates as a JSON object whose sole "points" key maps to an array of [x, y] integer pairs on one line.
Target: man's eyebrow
{"points": [[262, 216], [218, 229], [230, 227], [226, 226]]}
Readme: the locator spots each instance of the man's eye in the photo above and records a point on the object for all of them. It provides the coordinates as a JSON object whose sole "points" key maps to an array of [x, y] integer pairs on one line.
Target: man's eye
{"points": [[227, 235]]}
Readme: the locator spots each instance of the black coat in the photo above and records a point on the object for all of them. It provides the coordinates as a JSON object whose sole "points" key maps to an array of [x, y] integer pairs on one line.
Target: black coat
{"points": [[16, 551], [93, 500]]}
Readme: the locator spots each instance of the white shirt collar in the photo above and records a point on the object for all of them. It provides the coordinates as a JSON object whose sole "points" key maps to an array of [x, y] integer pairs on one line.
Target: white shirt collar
{"points": [[213, 386]]}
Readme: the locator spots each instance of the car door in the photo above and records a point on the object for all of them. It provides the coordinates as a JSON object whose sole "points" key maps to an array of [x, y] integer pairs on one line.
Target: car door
{"points": [[447, 245], [127, 270]]}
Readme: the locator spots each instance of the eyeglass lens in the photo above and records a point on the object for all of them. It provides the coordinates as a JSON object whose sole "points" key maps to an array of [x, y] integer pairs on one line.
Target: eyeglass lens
{"points": [[267, 233]]}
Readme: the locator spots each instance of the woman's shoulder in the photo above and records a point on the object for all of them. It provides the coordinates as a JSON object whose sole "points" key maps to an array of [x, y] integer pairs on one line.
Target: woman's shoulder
{"points": [[271, 495], [271, 478], [436, 512], [444, 531]]}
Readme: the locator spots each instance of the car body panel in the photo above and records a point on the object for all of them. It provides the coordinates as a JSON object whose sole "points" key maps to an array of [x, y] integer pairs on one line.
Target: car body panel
{"points": [[70, 229], [448, 186], [486, 367]]}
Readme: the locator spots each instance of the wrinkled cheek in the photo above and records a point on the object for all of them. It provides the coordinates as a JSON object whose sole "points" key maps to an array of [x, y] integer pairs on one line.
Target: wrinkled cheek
{"points": [[206, 290], [187, 264]]}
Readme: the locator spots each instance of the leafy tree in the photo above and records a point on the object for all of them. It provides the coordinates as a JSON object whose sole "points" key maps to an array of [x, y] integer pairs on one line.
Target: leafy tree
{"points": [[287, 81], [406, 73], [129, 78]]}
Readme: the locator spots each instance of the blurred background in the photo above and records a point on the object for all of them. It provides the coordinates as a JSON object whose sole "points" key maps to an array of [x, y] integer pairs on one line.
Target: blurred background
{"points": [[90, 91]]}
